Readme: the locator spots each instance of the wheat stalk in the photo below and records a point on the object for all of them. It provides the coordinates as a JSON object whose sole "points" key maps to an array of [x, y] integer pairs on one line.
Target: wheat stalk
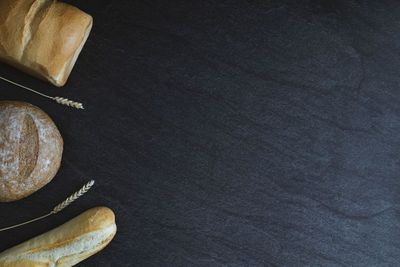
{"points": [[73, 197], [57, 208], [68, 102], [58, 99]]}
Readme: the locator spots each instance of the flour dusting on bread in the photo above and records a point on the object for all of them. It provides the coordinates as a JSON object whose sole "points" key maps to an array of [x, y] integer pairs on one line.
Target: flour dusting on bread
{"points": [[14, 182]]}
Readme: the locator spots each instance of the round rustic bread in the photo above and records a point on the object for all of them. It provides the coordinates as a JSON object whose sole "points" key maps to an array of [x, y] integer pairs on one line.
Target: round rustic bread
{"points": [[30, 150]]}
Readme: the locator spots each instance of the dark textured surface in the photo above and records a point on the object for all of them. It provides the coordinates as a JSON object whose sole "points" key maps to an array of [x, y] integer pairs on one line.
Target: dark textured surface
{"points": [[231, 133]]}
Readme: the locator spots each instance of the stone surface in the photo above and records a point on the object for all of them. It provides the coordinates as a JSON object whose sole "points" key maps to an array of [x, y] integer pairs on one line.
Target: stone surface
{"points": [[237, 133]]}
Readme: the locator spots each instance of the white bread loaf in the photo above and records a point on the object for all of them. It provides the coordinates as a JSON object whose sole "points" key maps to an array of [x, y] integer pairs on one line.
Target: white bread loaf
{"points": [[42, 37], [67, 244]]}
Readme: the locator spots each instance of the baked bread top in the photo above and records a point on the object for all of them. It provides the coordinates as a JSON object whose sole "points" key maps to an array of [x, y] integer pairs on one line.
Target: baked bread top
{"points": [[42, 37], [30, 150]]}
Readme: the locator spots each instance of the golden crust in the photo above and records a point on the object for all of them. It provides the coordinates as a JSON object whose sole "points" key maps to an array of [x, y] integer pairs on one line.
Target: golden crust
{"points": [[42, 37], [13, 17], [95, 219], [92, 220], [89, 221], [23, 263]]}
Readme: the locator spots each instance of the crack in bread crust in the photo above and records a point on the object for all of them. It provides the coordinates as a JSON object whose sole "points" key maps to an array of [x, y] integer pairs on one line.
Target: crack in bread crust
{"points": [[28, 148], [33, 18], [68, 244]]}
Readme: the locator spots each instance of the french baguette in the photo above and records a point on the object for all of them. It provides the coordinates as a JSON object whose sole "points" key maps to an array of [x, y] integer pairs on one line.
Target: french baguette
{"points": [[42, 37], [66, 245]]}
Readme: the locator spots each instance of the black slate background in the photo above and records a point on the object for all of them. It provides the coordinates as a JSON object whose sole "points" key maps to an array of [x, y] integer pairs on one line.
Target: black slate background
{"points": [[230, 133]]}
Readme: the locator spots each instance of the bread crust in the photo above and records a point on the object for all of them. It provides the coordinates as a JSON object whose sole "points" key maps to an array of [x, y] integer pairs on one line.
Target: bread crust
{"points": [[66, 245], [42, 37], [30, 150]]}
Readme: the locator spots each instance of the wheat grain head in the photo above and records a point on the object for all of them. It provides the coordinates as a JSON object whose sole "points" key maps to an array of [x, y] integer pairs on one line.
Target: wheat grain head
{"points": [[67, 102], [57, 208], [73, 197]]}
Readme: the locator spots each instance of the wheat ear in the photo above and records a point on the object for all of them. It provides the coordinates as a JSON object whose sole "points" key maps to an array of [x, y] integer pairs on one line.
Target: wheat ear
{"points": [[60, 100], [57, 208], [72, 198], [68, 102]]}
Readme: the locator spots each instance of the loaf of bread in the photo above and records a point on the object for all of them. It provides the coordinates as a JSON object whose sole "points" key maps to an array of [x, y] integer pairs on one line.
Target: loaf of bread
{"points": [[30, 150], [67, 244], [42, 37]]}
